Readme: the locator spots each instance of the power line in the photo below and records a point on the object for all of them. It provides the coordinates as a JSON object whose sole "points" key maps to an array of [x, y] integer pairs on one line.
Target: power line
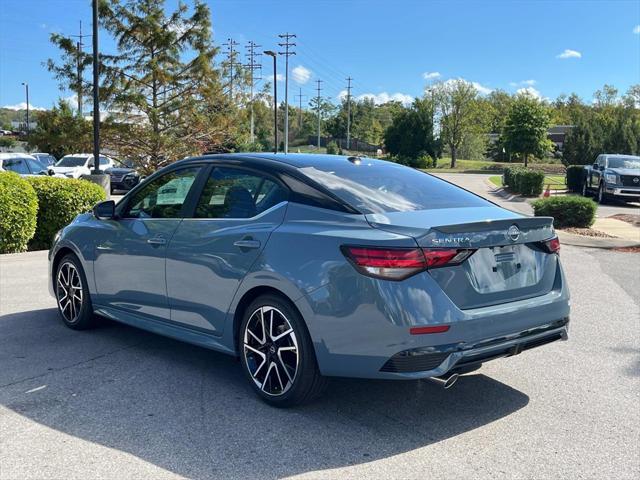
{"points": [[287, 53], [231, 61], [252, 66], [348, 112]]}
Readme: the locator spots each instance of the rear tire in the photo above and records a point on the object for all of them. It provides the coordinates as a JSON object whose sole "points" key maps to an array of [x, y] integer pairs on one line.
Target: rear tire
{"points": [[601, 196], [585, 190], [72, 294], [277, 354]]}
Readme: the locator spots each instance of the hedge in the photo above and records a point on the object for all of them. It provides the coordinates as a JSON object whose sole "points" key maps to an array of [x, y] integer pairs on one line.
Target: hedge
{"points": [[60, 201], [18, 212], [524, 181], [575, 177], [569, 211]]}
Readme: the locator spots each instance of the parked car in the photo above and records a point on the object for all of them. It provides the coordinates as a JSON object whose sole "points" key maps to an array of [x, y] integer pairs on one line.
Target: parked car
{"points": [[45, 158], [5, 132], [23, 164], [122, 178], [78, 164], [613, 176], [311, 266]]}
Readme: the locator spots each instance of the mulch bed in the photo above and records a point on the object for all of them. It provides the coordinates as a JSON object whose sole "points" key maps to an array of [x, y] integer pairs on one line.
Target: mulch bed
{"points": [[588, 232], [626, 217]]}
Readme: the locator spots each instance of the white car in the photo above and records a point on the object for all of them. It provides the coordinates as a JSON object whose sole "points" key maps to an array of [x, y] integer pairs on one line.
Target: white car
{"points": [[24, 165], [78, 164]]}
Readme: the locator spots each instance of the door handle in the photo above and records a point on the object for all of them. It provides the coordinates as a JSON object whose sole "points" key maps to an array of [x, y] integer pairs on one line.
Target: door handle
{"points": [[247, 243], [157, 241]]}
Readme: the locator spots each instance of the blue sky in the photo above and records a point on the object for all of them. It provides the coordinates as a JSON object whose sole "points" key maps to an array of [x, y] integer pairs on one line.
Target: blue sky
{"points": [[388, 47]]}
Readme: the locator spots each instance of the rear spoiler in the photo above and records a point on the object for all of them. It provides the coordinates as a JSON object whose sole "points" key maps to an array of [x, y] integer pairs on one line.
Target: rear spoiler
{"points": [[489, 233]]}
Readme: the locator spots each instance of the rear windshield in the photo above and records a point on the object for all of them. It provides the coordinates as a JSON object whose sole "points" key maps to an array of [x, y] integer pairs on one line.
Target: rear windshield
{"points": [[375, 186], [624, 162]]}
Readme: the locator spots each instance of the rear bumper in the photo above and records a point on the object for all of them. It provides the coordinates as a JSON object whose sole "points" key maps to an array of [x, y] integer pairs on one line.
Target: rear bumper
{"points": [[447, 358]]}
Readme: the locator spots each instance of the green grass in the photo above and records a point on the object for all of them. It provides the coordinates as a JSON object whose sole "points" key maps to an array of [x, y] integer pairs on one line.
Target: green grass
{"points": [[555, 182]]}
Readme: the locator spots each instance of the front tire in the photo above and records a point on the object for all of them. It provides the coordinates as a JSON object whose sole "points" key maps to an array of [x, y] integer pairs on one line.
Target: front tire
{"points": [[585, 190], [277, 354], [72, 294]]}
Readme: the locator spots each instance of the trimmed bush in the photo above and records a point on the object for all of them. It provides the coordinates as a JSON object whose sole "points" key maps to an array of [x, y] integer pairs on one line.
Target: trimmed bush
{"points": [[523, 181], [332, 148], [575, 177], [18, 212], [60, 201], [569, 211]]}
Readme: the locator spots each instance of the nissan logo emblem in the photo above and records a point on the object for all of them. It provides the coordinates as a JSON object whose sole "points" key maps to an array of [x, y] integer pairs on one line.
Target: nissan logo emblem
{"points": [[636, 180], [513, 233]]}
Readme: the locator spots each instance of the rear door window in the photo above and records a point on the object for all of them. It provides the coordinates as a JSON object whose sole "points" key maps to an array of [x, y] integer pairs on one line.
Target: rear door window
{"points": [[17, 165]]}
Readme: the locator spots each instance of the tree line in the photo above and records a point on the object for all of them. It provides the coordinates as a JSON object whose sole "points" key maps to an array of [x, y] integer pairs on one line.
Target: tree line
{"points": [[168, 96]]}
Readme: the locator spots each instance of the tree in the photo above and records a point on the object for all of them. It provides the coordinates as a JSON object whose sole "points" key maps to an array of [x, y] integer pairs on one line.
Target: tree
{"points": [[455, 100], [525, 131], [59, 132], [410, 135]]}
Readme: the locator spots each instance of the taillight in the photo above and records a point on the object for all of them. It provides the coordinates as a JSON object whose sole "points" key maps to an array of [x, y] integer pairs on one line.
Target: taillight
{"points": [[400, 263], [553, 245]]}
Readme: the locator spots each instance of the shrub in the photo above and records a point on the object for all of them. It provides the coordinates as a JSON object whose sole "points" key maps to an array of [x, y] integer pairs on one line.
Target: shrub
{"points": [[569, 211], [18, 212], [60, 201], [7, 142], [575, 177], [332, 148], [523, 181]]}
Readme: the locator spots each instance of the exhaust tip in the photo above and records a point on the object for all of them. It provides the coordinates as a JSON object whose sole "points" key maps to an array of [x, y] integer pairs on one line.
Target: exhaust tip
{"points": [[450, 382], [445, 381]]}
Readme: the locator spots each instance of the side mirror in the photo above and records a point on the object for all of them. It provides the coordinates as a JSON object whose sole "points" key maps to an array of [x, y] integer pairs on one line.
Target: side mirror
{"points": [[105, 210], [596, 166], [50, 171]]}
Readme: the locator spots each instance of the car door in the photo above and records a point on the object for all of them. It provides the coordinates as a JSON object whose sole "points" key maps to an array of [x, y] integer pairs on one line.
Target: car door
{"points": [[212, 251], [130, 251]]}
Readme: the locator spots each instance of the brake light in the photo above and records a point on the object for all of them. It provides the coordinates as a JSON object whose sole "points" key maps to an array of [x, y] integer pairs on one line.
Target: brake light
{"points": [[553, 245], [400, 263], [426, 330]]}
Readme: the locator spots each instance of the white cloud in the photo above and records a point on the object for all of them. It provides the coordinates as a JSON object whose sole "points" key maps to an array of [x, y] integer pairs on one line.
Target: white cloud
{"points": [[568, 53], [382, 97], [431, 75], [279, 77], [481, 89], [528, 83], [636, 29], [301, 74], [22, 106], [529, 91]]}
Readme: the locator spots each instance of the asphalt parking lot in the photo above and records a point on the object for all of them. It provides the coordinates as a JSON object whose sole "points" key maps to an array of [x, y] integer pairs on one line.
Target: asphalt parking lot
{"points": [[119, 403]]}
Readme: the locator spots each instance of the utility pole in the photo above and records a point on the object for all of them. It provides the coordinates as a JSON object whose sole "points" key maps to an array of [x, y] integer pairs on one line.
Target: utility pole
{"points": [[300, 96], [287, 45], [349, 112], [273, 55], [231, 61], [252, 66], [96, 98], [26, 88], [318, 100], [79, 67]]}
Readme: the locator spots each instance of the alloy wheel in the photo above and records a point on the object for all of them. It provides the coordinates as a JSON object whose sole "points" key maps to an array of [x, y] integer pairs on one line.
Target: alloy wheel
{"points": [[69, 291], [271, 350]]}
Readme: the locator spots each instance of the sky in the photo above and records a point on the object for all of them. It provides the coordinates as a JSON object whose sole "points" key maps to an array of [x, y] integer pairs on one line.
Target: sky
{"points": [[391, 49]]}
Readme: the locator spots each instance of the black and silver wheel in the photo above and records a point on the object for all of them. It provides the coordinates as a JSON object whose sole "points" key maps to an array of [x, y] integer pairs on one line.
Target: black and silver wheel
{"points": [[72, 295], [276, 353]]}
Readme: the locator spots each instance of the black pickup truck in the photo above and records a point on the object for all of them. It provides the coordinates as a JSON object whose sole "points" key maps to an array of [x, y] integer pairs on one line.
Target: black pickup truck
{"points": [[613, 176]]}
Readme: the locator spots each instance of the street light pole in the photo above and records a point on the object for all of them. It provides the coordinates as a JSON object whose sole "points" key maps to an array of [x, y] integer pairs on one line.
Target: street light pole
{"points": [[96, 103], [26, 87], [275, 100]]}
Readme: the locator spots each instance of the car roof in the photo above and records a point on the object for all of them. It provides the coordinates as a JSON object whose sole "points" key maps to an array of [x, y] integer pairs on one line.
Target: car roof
{"points": [[10, 155], [297, 160]]}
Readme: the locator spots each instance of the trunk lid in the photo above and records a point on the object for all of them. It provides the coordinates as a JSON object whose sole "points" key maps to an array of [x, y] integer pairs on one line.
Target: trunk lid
{"points": [[508, 263]]}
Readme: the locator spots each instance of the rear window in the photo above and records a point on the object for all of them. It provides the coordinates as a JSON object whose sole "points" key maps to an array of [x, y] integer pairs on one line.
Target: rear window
{"points": [[375, 186]]}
